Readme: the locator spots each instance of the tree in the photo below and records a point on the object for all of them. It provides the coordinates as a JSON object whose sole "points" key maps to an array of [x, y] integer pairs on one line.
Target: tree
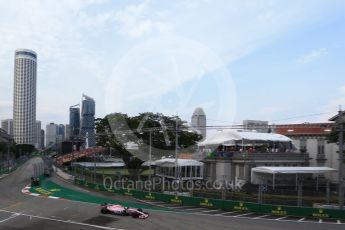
{"points": [[114, 130], [333, 137]]}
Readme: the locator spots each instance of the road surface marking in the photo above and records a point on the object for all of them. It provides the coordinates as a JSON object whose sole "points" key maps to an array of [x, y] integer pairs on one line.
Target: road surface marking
{"points": [[259, 217], [300, 220], [281, 218], [245, 214], [225, 213], [9, 218], [15, 214]]}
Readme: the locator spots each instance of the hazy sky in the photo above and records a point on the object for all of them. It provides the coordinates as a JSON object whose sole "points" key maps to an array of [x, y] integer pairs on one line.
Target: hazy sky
{"points": [[238, 60]]}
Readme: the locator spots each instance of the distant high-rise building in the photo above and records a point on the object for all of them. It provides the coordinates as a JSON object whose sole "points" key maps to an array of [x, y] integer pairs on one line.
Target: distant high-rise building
{"points": [[67, 132], [51, 134], [259, 126], [199, 122], [24, 97], [38, 135], [88, 120], [7, 125], [74, 121], [42, 139], [61, 132]]}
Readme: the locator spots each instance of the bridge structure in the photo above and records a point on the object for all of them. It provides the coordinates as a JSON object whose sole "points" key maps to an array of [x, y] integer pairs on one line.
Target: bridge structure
{"points": [[79, 154]]}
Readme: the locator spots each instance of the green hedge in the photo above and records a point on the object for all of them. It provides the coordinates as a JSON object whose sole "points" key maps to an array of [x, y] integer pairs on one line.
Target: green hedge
{"points": [[278, 210]]}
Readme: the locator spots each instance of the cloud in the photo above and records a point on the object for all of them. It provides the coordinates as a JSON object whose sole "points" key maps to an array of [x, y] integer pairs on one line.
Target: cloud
{"points": [[137, 20], [78, 42], [312, 56]]}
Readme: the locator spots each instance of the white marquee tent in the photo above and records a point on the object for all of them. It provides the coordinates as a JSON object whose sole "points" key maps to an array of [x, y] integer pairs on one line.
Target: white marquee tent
{"points": [[231, 136]]}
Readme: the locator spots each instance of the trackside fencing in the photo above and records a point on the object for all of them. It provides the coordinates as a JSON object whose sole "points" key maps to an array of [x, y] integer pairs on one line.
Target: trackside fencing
{"points": [[277, 210]]}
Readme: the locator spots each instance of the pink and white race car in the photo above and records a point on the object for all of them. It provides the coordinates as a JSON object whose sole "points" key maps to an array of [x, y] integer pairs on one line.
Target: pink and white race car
{"points": [[120, 210]]}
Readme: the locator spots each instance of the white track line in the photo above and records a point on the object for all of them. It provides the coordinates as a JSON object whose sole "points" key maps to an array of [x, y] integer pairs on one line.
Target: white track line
{"points": [[300, 220], [57, 220], [245, 214], [281, 218], [9, 218], [259, 217], [228, 213]]}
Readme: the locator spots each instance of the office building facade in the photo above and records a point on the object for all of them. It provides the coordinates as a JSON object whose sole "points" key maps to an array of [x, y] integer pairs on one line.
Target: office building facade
{"points": [[198, 122], [88, 121], [7, 125], [24, 98], [74, 122]]}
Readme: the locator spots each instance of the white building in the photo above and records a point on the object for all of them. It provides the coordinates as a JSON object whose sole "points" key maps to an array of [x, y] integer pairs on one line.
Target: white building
{"points": [[231, 154], [24, 97], [7, 125], [198, 122], [67, 132], [51, 134], [311, 138], [187, 169]]}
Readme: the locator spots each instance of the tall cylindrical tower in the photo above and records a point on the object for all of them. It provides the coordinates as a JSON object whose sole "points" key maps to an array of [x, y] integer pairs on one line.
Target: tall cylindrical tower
{"points": [[24, 98]]}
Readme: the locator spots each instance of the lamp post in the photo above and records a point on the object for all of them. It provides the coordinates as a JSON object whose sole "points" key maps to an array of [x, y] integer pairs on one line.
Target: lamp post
{"points": [[176, 152], [150, 157], [341, 160], [340, 121]]}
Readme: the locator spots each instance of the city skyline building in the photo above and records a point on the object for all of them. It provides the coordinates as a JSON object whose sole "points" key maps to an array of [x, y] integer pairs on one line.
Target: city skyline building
{"points": [[61, 132], [198, 122], [42, 138], [88, 120], [7, 125], [24, 97], [74, 121], [51, 134], [67, 132], [38, 135]]}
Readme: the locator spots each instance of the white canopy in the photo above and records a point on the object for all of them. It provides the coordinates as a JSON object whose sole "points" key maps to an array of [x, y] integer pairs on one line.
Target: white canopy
{"points": [[230, 136], [180, 162], [101, 164], [258, 178], [293, 170]]}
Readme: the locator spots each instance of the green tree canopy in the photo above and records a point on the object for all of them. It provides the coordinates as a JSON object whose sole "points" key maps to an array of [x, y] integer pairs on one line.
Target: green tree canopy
{"points": [[117, 129]]}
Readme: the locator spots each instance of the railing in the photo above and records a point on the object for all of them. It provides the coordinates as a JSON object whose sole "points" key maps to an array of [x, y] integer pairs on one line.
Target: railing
{"points": [[278, 210], [257, 156]]}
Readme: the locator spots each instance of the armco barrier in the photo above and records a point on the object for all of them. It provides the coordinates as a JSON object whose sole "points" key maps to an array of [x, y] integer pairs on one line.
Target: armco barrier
{"points": [[277, 210]]}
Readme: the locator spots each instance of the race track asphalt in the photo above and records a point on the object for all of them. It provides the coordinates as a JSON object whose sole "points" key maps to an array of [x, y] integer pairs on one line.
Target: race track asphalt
{"points": [[21, 211]]}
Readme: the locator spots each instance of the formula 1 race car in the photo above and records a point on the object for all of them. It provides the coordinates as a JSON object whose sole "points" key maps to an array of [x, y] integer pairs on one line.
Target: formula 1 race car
{"points": [[120, 210]]}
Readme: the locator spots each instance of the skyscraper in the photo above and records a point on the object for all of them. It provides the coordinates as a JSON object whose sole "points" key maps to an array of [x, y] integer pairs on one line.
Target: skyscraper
{"points": [[61, 132], [74, 121], [42, 139], [199, 122], [67, 132], [24, 98], [51, 134], [7, 125], [88, 120], [38, 135]]}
